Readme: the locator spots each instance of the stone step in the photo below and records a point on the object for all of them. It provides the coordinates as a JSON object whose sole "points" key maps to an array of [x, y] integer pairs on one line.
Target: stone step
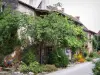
{"points": [[7, 69]]}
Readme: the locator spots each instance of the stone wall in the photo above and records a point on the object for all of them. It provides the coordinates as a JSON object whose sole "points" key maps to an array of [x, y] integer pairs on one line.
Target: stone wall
{"points": [[10, 3]]}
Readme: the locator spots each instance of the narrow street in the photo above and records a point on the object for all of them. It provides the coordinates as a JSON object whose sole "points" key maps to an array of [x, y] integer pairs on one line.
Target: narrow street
{"points": [[79, 69]]}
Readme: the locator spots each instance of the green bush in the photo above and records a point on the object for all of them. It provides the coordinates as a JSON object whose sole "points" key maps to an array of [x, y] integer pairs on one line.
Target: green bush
{"points": [[91, 55], [34, 67], [85, 53], [58, 58], [49, 68], [96, 69], [23, 68], [28, 57], [96, 55], [1, 59], [89, 59], [9, 24]]}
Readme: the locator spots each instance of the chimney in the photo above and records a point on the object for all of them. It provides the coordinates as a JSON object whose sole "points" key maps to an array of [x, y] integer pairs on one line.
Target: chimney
{"points": [[98, 33], [77, 17], [62, 9]]}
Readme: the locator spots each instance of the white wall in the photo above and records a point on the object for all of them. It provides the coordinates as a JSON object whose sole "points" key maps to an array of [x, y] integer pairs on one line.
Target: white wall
{"points": [[89, 42], [25, 9], [34, 3]]}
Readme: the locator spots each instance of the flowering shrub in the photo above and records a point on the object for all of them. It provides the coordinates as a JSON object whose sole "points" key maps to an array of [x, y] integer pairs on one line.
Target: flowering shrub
{"points": [[79, 58]]}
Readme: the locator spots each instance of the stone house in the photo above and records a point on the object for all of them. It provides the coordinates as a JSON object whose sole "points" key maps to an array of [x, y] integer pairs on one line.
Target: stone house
{"points": [[37, 8]]}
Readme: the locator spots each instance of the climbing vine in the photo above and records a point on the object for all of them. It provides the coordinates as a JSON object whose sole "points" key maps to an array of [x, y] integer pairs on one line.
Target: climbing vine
{"points": [[55, 30]]}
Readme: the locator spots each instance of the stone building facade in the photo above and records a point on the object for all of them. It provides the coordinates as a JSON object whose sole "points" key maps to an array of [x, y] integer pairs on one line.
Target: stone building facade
{"points": [[90, 35]]}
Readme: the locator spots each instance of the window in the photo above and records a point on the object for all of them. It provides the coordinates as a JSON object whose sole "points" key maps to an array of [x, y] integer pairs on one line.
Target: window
{"points": [[89, 36], [2, 8]]}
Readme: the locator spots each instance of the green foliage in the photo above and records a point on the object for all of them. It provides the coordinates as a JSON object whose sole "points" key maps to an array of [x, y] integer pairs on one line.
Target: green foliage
{"points": [[91, 55], [85, 53], [1, 59], [58, 58], [28, 56], [96, 69], [55, 30], [48, 29], [23, 68], [49, 68], [96, 42], [96, 55], [89, 59], [34, 67], [9, 24], [75, 37]]}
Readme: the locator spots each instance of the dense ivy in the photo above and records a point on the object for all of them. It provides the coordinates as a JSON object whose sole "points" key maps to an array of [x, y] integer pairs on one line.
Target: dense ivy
{"points": [[55, 30]]}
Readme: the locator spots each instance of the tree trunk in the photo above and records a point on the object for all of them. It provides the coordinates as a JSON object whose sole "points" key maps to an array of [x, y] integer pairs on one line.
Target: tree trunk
{"points": [[40, 55], [41, 52]]}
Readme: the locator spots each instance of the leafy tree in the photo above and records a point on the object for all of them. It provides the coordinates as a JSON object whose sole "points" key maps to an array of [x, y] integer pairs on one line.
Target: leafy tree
{"points": [[48, 30], [9, 23], [53, 30]]}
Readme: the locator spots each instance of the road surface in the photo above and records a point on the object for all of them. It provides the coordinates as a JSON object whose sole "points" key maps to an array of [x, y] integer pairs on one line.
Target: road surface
{"points": [[79, 69]]}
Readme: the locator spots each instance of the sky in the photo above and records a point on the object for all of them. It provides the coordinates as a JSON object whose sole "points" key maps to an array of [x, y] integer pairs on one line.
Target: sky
{"points": [[88, 10]]}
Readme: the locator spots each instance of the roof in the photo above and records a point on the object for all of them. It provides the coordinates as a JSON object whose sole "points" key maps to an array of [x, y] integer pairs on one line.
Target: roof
{"points": [[73, 18], [43, 10], [33, 3], [47, 11], [23, 3], [92, 32], [98, 33]]}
